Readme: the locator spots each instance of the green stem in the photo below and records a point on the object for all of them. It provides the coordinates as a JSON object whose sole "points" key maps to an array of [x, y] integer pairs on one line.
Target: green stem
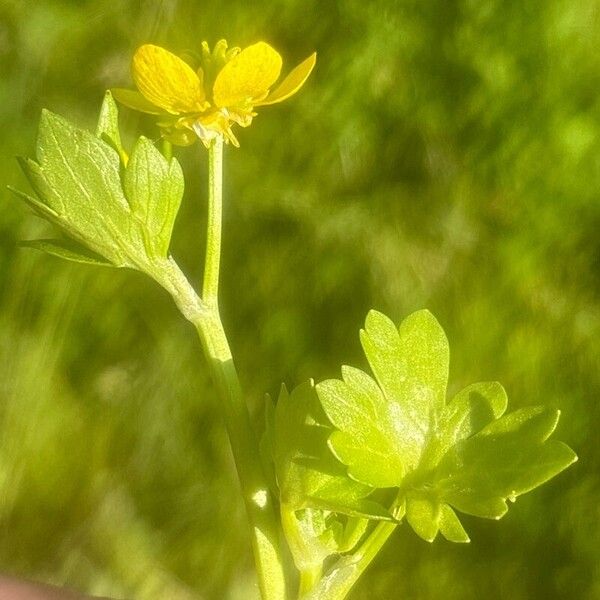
{"points": [[167, 149], [204, 314], [336, 585], [210, 285], [308, 579], [259, 505], [372, 545], [310, 571], [255, 491]]}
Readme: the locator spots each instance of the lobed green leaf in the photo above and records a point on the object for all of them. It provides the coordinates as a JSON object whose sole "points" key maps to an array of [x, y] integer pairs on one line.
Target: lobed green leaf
{"points": [[399, 432], [323, 511], [505, 459], [307, 473], [365, 440]]}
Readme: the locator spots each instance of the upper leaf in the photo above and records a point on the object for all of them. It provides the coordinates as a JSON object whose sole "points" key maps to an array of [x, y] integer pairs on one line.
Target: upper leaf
{"points": [[399, 432], [154, 188], [108, 123], [80, 186], [77, 177]]}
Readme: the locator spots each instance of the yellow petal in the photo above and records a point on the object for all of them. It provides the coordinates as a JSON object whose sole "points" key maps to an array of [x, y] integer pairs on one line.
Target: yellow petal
{"points": [[248, 75], [167, 81], [292, 83], [133, 99]]}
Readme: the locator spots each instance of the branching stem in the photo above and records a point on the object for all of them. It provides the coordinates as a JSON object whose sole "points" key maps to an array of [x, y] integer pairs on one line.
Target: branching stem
{"points": [[339, 581]]}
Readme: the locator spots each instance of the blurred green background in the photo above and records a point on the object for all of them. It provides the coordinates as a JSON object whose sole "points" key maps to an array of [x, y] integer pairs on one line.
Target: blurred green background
{"points": [[444, 154]]}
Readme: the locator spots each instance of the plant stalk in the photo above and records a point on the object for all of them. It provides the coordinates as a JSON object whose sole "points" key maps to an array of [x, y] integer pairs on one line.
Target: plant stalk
{"points": [[308, 580], [255, 491], [204, 314], [337, 584], [210, 284]]}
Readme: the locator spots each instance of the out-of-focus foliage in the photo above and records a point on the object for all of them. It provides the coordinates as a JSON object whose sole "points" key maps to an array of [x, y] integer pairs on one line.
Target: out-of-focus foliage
{"points": [[444, 154]]}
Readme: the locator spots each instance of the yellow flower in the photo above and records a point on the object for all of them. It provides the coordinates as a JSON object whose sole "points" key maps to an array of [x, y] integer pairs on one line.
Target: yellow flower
{"points": [[205, 97]]}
